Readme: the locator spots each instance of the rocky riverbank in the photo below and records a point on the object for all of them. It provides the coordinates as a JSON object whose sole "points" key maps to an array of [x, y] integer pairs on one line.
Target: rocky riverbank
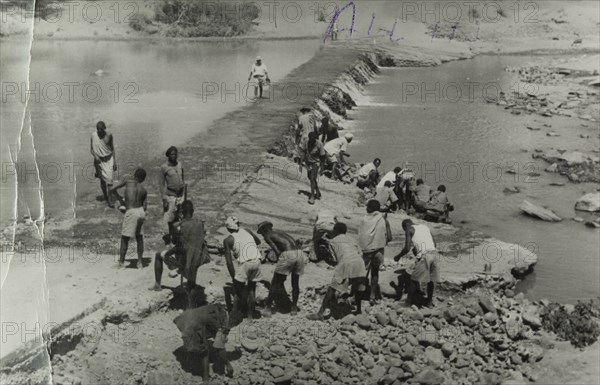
{"points": [[560, 88]]}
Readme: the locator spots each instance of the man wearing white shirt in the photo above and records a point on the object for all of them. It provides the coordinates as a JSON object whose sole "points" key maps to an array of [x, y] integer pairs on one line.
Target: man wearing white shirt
{"points": [[420, 241], [259, 72], [368, 175], [336, 150], [390, 176]]}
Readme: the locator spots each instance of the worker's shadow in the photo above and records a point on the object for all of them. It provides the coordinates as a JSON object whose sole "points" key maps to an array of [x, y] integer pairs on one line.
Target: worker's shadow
{"points": [[304, 192], [131, 263], [180, 298], [281, 299], [192, 362], [340, 310]]}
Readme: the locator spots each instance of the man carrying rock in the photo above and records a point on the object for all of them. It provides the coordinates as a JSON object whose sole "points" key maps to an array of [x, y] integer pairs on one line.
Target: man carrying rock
{"points": [[349, 276], [290, 260], [198, 326], [188, 255], [103, 150], [242, 245], [420, 241], [373, 235]]}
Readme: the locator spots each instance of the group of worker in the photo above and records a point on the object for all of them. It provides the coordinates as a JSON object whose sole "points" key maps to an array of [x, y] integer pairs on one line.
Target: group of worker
{"points": [[357, 260]]}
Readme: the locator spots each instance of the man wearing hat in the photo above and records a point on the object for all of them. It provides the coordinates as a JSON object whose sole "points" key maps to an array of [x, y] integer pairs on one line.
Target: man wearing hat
{"points": [[259, 72], [242, 245], [336, 149], [290, 260], [171, 186]]}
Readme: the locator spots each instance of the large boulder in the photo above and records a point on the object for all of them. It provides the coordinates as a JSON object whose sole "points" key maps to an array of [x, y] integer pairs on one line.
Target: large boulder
{"points": [[539, 212], [589, 202]]}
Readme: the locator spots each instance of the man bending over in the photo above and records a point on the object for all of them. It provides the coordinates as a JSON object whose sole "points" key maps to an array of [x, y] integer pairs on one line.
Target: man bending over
{"points": [[420, 241], [242, 245], [349, 274], [290, 260], [198, 326], [189, 253]]}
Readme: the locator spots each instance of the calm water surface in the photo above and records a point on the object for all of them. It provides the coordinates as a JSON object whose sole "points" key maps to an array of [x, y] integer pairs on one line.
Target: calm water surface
{"points": [[150, 95], [467, 144]]}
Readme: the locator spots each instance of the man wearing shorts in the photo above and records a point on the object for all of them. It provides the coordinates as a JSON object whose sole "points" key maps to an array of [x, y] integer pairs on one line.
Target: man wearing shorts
{"points": [[420, 241], [260, 73], [349, 274], [135, 214], [242, 245], [188, 255], [171, 186], [290, 260]]}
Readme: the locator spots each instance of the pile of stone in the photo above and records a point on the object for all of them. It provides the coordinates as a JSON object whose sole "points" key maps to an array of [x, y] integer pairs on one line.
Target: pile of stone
{"points": [[577, 166], [540, 104], [477, 338], [529, 100], [542, 75]]}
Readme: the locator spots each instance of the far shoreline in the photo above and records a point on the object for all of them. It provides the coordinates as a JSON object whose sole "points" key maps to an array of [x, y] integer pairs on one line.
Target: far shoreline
{"points": [[489, 51]]}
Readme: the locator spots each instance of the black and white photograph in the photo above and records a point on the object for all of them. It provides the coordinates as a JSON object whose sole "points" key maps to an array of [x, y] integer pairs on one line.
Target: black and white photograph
{"points": [[301, 192]]}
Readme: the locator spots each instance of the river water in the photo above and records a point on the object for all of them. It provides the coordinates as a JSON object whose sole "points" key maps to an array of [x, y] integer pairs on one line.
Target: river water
{"points": [[150, 94], [451, 136]]}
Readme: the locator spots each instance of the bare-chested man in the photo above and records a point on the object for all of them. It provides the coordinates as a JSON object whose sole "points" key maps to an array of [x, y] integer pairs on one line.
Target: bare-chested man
{"points": [[188, 255], [290, 260], [172, 187], [136, 205], [105, 164]]}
